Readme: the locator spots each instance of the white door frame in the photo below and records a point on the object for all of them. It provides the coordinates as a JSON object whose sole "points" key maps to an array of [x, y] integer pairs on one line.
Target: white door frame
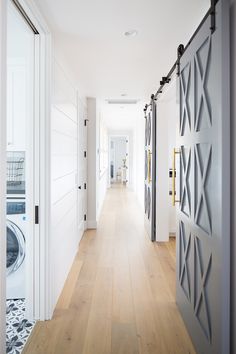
{"points": [[3, 176], [41, 270], [40, 278]]}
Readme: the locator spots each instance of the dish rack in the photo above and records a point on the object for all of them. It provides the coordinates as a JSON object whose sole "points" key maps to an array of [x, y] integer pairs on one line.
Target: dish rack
{"points": [[15, 170]]}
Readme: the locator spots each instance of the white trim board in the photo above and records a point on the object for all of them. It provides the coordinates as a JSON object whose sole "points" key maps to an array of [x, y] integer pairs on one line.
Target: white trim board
{"points": [[3, 17], [42, 295], [92, 224]]}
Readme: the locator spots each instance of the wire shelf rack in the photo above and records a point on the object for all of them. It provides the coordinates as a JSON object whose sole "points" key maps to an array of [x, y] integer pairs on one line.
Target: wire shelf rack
{"points": [[15, 170]]}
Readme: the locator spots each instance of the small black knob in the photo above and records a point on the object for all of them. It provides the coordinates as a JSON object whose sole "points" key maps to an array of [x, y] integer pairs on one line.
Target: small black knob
{"points": [[79, 187]]}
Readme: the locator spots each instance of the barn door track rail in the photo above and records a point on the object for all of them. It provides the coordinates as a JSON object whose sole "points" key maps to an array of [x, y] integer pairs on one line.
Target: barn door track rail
{"points": [[181, 50]]}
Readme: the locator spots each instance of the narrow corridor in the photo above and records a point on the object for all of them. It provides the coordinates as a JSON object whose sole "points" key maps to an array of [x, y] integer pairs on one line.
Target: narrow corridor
{"points": [[120, 294]]}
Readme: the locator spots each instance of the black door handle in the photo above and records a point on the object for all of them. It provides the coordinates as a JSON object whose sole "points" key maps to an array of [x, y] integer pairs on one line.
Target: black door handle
{"points": [[79, 187], [36, 215]]}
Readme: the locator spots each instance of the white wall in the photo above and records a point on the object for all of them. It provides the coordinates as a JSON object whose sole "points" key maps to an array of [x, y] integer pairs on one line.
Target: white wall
{"points": [[101, 191], [102, 159], [138, 157], [162, 175], [173, 116], [20, 73], [97, 184], [2, 175], [92, 162], [167, 119], [64, 228]]}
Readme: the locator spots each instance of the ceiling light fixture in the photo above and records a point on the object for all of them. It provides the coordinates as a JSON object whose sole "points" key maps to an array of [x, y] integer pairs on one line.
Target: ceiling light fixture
{"points": [[122, 101], [131, 33]]}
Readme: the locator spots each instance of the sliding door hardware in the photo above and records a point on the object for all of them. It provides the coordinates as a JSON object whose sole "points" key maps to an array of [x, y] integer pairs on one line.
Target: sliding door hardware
{"points": [[174, 200]]}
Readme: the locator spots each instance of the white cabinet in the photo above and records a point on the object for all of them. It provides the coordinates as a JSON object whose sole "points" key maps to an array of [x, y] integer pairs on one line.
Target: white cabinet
{"points": [[16, 107]]}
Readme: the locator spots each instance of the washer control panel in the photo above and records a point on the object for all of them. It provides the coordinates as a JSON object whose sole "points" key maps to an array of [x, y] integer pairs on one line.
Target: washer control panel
{"points": [[15, 208]]}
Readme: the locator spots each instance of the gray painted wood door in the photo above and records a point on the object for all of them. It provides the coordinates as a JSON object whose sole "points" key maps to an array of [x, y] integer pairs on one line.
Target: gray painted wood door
{"points": [[203, 248], [150, 171]]}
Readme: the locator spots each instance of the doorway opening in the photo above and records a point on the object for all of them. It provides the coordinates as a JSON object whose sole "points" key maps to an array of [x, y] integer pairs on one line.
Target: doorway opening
{"points": [[23, 177], [119, 160]]}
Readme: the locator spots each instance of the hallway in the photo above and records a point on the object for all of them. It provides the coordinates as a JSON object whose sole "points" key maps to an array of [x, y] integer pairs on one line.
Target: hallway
{"points": [[120, 294]]}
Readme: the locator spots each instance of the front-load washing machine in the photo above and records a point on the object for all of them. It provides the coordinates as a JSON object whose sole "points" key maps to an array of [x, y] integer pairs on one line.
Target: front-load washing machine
{"points": [[16, 230]]}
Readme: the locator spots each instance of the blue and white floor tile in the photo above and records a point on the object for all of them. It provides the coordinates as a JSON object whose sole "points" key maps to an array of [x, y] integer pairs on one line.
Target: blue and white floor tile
{"points": [[18, 327]]}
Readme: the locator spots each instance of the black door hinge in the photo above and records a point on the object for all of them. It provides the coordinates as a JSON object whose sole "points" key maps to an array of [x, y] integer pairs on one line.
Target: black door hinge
{"points": [[36, 215], [85, 217], [85, 154], [85, 186]]}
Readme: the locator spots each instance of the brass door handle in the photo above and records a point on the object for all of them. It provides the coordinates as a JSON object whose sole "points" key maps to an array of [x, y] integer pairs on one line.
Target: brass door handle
{"points": [[149, 166], [174, 200]]}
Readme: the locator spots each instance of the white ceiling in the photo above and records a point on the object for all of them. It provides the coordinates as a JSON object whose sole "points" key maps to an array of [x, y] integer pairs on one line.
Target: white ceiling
{"points": [[122, 117], [90, 36]]}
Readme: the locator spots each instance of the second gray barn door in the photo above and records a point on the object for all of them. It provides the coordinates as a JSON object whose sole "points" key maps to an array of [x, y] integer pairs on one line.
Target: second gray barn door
{"points": [[203, 246], [150, 170]]}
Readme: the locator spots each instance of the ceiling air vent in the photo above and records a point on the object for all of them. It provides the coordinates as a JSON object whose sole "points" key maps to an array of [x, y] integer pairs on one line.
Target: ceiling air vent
{"points": [[122, 102]]}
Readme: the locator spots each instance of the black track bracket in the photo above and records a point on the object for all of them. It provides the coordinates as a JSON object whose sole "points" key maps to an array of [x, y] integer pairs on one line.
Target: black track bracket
{"points": [[180, 52], [213, 16]]}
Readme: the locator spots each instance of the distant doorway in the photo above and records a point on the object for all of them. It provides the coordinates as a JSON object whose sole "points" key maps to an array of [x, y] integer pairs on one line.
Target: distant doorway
{"points": [[119, 160]]}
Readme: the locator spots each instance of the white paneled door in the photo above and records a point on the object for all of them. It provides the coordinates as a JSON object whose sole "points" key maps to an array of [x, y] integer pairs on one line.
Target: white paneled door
{"points": [[64, 172], [82, 168]]}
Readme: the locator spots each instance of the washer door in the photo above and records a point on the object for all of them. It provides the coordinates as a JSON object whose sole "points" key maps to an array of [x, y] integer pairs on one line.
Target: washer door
{"points": [[15, 247]]}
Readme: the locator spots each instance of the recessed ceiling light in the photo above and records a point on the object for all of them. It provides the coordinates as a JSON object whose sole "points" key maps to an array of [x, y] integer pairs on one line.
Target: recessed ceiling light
{"points": [[131, 33]]}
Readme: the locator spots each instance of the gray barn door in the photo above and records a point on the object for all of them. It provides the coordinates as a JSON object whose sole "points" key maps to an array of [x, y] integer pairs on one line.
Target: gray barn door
{"points": [[150, 171], [203, 214]]}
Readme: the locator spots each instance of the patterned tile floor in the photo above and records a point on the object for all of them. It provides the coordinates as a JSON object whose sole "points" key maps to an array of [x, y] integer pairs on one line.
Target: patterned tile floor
{"points": [[18, 327]]}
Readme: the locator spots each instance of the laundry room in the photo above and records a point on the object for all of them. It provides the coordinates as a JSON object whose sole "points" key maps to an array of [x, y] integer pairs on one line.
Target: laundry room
{"points": [[20, 180]]}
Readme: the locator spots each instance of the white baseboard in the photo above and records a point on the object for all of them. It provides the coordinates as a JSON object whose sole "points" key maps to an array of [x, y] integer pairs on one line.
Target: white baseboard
{"points": [[92, 224], [172, 234], [81, 230]]}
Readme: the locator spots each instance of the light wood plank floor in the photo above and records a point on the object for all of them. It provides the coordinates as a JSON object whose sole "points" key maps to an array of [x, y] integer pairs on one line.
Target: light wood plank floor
{"points": [[119, 297]]}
